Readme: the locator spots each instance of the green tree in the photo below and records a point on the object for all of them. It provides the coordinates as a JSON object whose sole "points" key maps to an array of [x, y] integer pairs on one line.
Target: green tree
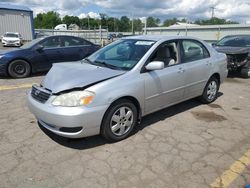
{"points": [[138, 25], [71, 20], [47, 20], [169, 22], [214, 21], [153, 22], [124, 24]]}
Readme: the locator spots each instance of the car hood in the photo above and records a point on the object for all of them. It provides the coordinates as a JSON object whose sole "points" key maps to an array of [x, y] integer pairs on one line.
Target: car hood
{"points": [[67, 76], [10, 38], [232, 50]]}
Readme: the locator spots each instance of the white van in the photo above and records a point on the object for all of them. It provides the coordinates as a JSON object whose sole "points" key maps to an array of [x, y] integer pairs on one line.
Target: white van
{"points": [[61, 27]]}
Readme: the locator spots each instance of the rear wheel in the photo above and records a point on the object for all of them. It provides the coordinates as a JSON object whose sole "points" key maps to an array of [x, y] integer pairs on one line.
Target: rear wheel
{"points": [[210, 91], [119, 120], [19, 69]]}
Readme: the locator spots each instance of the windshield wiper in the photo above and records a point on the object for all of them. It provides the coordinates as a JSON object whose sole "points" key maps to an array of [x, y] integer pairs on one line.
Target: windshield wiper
{"points": [[103, 63], [88, 61]]}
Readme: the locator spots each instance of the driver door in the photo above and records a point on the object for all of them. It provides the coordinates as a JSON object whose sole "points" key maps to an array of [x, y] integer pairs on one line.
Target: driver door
{"points": [[164, 87], [52, 52]]}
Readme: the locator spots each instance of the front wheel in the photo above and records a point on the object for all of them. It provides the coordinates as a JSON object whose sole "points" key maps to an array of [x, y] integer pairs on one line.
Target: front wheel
{"points": [[19, 69], [210, 91], [245, 72], [119, 120]]}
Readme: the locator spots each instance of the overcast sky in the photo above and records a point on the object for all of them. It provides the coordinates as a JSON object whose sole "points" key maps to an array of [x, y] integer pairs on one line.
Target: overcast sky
{"points": [[237, 10]]}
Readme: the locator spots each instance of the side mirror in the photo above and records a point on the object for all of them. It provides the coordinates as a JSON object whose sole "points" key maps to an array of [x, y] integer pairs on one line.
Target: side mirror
{"points": [[155, 65], [39, 47]]}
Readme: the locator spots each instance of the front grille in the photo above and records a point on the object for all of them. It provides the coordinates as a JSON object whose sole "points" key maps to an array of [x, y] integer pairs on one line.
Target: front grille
{"points": [[40, 94]]}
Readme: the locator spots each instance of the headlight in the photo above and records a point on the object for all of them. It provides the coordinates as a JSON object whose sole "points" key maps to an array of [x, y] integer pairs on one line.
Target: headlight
{"points": [[75, 98]]}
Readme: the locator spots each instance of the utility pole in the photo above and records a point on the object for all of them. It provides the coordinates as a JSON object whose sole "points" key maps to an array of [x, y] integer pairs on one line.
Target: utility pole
{"points": [[132, 23], [88, 23], [212, 9]]}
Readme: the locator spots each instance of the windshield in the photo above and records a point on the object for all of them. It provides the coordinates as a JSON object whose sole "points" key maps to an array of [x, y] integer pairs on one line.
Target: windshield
{"points": [[235, 41], [11, 35], [123, 54], [31, 43]]}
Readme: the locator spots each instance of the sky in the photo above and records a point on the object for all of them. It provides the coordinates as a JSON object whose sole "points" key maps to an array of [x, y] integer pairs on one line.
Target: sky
{"points": [[235, 10]]}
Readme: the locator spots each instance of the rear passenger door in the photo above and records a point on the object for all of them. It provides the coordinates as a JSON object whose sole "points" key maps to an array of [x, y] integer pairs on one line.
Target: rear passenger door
{"points": [[75, 48], [197, 64]]}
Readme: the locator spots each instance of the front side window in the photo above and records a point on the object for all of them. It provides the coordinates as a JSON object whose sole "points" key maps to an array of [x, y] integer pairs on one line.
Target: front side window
{"points": [[123, 54], [167, 53], [193, 50], [52, 42]]}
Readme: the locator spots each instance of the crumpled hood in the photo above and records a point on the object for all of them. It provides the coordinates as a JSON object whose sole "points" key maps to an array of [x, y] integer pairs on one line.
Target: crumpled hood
{"points": [[66, 76], [232, 50]]}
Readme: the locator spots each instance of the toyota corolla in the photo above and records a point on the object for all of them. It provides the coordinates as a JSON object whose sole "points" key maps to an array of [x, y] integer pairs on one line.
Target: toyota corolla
{"points": [[110, 91]]}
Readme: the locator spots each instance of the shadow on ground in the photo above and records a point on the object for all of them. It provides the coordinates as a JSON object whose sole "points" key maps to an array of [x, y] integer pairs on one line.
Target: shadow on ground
{"points": [[95, 141]]}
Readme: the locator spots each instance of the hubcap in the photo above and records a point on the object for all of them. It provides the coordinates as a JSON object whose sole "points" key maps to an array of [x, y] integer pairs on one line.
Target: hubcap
{"points": [[211, 90], [121, 121], [19, 69]]}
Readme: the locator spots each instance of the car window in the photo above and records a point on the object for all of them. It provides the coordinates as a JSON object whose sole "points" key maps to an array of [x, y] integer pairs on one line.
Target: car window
{"points": [[11, 35], [122, 54], [72, 41], [167, 53], [193, 51], [51, 42], [235, 41]]}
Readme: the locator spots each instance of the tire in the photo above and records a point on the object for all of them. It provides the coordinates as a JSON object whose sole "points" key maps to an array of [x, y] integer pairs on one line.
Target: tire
{"points": [[210, 92], [19, 69], [245, 72], [119, 120]]}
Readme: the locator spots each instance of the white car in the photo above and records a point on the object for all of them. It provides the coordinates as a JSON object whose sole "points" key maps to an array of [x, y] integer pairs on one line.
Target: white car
{"points": [[12, 39], [111, 90]]}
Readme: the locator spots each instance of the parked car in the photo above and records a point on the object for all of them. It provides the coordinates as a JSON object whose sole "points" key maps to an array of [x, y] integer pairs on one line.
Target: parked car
{"points": [[237, 49], [41, 53], [111, 90], [11, 39]]}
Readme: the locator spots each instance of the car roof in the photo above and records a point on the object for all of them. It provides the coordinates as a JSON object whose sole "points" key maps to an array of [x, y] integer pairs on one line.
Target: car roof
{"points": [[12, 33], [158, 37], [237, 36]]}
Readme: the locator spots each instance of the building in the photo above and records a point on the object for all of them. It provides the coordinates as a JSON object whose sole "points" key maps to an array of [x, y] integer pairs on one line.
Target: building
{"points": [[15, 18], [210, 33]]}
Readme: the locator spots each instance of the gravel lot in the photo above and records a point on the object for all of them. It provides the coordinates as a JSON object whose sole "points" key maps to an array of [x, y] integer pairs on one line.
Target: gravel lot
{"points": [[188, 145]]}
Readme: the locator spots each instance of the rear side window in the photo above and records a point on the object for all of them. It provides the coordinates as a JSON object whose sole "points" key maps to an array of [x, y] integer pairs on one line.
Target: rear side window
{"points": [[71, 41], [193, 50]]}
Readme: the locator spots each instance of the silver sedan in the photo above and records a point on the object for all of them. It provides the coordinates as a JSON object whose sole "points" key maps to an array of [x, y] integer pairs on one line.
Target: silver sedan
{"points": [[110, 91]]}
